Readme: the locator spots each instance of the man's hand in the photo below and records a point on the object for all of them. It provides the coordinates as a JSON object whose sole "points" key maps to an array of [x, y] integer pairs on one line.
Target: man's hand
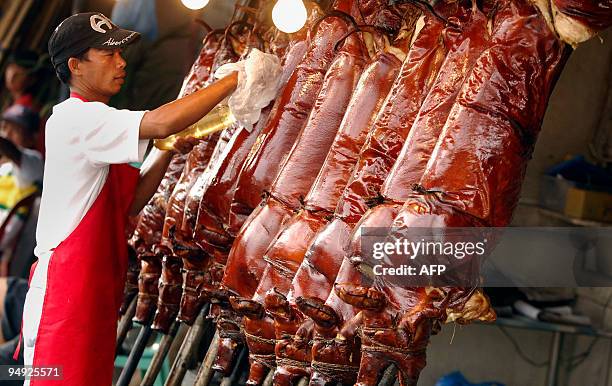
{"points": [[184, 145]]}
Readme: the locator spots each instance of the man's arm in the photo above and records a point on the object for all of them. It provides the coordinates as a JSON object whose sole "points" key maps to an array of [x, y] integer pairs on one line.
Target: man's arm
{"points": [[10, 151], [169, 119], [177, 115], [151, 174]]}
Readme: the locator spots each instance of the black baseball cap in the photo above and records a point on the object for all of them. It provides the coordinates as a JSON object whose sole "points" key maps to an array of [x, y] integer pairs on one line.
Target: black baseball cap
{"points": [[82, 31], [22, 116]]}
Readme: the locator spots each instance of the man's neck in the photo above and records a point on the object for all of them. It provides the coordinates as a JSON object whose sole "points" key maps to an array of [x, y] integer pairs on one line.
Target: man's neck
{"points": [[89, 95]]}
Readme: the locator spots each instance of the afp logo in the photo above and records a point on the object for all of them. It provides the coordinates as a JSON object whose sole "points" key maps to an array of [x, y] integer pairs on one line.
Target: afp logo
{"points": [[98, 21]]}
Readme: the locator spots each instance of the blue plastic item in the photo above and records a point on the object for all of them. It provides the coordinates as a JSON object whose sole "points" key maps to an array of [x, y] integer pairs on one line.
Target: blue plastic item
{"points": [[457, 379], [136, 15], [583, 174]]}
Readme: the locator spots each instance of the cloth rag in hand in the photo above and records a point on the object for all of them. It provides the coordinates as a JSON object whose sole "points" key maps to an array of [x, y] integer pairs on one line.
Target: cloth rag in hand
{"points": [[258, 83]]}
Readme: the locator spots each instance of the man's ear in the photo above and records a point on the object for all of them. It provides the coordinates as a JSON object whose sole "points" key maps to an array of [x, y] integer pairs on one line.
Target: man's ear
{"points": [[74, 65]]}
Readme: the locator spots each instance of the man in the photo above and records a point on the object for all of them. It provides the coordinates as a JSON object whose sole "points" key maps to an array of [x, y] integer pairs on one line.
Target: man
{"points": [[19, 77], [71, 309], [21, 171]]}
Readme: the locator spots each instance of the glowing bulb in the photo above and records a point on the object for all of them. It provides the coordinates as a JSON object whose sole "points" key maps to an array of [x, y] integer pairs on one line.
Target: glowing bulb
{"points": [[194, 4], [289, 15]]}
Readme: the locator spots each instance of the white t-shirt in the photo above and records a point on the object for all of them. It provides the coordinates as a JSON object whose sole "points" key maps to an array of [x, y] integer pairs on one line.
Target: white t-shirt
{"points": [[82, 139]]}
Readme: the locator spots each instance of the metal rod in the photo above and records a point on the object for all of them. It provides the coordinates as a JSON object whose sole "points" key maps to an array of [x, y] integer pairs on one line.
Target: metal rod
{"points": [[269, 378], [241, 361], [555, 351], [160, 356], [132, 362], [192, 340], [125, 324], [303, 381], [206, 371], [389, 376]]}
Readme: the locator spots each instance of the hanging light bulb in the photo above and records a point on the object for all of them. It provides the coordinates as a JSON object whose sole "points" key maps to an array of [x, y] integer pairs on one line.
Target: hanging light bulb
{"points": [[195, 4], [289, 15]]}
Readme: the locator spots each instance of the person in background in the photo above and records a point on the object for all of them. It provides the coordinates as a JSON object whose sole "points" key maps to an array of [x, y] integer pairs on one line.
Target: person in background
{"points": [[19, 78], [12, 298], [21, 168]]}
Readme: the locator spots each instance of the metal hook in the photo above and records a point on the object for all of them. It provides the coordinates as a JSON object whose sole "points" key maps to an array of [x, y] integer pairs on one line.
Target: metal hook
{"points": [[423, 4], [360, 28], [342, 15], [204, 24]]}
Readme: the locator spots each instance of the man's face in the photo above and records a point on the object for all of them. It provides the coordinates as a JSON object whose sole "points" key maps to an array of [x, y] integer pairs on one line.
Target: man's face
{"points": [[15, 78], [102, 71]]}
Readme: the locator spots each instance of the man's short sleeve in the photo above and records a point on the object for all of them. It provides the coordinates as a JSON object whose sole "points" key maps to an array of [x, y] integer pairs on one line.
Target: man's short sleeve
{"points": [[113, 135]]}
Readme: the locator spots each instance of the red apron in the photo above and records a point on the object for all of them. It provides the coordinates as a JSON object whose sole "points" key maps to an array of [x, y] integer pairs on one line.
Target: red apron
{"points": [[85, 281]]}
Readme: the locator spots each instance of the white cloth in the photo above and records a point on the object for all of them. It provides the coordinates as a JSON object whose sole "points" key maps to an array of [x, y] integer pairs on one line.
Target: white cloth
{"points": [[82, 140], [258, 83]]}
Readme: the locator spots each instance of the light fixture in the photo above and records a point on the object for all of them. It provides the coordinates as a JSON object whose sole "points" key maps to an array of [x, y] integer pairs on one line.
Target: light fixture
{"points": [[289, 15], [194, 4]]}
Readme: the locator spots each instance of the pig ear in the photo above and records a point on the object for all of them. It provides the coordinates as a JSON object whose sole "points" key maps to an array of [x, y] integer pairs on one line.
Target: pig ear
{"points": [[360, 297], [277, 305], [247, 307], [316, 309]]}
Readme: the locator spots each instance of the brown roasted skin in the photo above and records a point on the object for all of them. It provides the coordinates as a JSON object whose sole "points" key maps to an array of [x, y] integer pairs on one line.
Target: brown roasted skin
{"points": [[150, 226], [221, 181], [147, 234], [201, 69], [196, 261], [208, 205], [374, 85], [595, 14], [377, 156], [336, 356], [295, 179], [131, 283], [174, 248], [476, 168], [217, 194], [465, 38], [245, 263], [285, 124], [170, 284]]}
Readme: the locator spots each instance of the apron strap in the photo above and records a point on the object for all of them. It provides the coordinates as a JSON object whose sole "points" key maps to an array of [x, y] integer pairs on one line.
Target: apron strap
{"points": [[74, 94]]}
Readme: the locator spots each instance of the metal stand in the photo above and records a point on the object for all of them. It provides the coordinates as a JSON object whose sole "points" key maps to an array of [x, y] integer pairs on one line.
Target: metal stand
{"points": [[242, 362], [160, 356], [555, 353], [389, 376], [132, 362], [206, 371], [269, 378], [125, 325], [303, 381], [192, 340]]}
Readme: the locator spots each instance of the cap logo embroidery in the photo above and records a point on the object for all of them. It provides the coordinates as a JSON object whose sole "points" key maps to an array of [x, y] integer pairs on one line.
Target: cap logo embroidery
{"points": [[97, 21], [112, 42]]}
